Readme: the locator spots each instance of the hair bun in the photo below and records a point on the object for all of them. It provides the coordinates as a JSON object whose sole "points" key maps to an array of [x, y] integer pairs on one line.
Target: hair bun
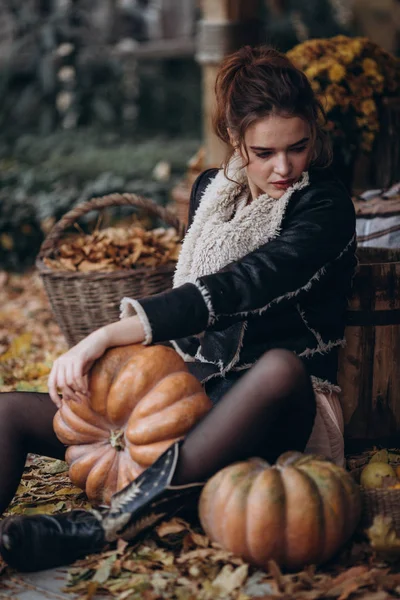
{"points": [[246, 55]]}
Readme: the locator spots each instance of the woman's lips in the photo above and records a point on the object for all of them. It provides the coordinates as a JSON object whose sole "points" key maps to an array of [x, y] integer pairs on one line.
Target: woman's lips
{"points": [[283, 184]]}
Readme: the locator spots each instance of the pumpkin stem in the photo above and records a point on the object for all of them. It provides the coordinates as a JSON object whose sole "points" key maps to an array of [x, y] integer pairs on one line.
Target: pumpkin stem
{"points": [[117, 439]]}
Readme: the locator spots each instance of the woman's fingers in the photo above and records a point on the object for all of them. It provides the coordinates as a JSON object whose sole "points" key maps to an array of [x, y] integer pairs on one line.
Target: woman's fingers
{"points": [[80, 379], [61, 378], [52, 385], [64, 383], [69, 379], [69, 373]]}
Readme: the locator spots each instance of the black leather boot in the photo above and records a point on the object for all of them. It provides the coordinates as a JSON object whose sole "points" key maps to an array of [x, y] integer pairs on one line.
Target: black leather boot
{"points": [[42, 541]]}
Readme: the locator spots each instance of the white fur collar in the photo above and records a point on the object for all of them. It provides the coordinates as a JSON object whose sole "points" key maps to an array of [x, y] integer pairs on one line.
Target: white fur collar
{"points": [[218, 235]]}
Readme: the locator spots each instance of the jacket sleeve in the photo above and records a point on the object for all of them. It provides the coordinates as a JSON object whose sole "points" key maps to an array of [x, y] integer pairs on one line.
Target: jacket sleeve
{"points": [[316, 232]]}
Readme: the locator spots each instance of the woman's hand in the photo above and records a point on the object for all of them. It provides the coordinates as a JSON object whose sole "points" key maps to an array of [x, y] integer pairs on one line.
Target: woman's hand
{"points": [[69, 372]]}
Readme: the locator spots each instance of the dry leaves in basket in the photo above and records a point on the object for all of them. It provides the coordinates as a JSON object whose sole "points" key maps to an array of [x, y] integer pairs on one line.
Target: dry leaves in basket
{"points": [[115, 248]]}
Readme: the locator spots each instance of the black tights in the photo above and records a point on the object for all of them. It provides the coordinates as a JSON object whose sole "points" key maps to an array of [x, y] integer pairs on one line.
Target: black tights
{"points": [[269, 410]]}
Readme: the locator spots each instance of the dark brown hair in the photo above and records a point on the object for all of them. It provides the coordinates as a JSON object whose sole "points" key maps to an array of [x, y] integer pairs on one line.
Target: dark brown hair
{"points": [[255, 82]]}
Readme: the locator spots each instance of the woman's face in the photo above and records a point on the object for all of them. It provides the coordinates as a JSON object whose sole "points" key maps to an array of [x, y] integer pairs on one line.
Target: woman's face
{"points": [[279, 151]]}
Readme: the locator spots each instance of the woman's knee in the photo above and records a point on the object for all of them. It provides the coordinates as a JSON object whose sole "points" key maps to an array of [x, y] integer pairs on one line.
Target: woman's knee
{"points": [[285, 369], [294, 396]]}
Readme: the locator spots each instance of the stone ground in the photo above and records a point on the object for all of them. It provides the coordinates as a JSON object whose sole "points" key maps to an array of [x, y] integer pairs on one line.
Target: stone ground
{"points": [[46, 585]]}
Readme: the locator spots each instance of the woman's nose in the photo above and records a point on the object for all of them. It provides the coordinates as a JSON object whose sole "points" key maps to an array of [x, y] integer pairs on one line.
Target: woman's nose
{"points": [[282, 165]]}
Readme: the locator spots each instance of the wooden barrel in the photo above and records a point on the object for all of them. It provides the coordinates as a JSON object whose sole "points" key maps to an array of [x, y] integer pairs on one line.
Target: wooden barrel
{"points": [[369, 365]]}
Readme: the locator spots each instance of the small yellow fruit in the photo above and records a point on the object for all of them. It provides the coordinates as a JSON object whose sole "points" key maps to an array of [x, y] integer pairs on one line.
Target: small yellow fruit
{"points": [[373, 474], [380, 456]]}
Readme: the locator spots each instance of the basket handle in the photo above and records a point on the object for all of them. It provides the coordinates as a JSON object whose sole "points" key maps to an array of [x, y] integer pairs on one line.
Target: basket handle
{"points": [[116, 199]]}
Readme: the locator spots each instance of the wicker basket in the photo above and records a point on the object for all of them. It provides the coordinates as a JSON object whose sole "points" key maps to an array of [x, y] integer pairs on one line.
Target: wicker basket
{"points": [[83, 302], [376, 501]]}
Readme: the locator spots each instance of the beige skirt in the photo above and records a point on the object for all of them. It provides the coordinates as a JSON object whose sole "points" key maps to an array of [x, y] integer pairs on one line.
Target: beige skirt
{"points": [[327, 434]]}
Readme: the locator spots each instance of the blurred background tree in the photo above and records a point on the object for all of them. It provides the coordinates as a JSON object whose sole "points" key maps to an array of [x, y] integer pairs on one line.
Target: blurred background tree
{"points": [[290, 22], [68, 63], [99, 96]]}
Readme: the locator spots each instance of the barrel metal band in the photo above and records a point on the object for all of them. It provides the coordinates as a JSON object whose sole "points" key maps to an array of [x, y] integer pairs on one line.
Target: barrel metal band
{"points": [[357, 318]]}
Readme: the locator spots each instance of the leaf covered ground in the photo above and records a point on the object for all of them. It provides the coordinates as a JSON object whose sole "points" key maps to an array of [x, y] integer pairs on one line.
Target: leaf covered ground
{"points": [[176, 560]]}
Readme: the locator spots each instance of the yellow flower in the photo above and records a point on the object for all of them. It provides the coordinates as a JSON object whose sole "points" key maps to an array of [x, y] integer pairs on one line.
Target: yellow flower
{"points": [[337, 72], [378, 83], [370, 66], [357, 45], [341, 39], [339, 94], [360, 87], [315, 86], [348, 75], [361, 122], [367, 140], [345, 55], [315, 69], [328, 102], [368, 107]]}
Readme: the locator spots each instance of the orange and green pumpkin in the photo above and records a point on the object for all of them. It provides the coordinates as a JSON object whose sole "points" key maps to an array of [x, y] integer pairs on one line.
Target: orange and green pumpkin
{"points": [[142, 399], [299, 511]]}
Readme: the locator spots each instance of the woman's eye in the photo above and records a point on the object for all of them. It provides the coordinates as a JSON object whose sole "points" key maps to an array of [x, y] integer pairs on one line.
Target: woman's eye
{"points": [[299, 149], [268, 154]]}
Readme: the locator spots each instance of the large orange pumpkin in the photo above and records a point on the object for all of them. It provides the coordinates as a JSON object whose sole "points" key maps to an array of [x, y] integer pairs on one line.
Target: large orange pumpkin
{"points": [[299, 511], [142, 399]]}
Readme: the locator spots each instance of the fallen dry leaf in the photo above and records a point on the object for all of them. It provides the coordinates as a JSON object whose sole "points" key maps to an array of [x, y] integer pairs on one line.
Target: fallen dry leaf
{"points": [[173, 526], [349, 574], [19, 345], [30, 339], [229, 579]]}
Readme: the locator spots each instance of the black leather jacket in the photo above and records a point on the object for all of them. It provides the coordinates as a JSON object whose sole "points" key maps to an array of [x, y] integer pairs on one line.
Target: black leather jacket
{"points": [[289, 293]]}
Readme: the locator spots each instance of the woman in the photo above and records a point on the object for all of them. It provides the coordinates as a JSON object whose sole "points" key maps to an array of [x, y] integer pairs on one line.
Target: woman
{"points": [[262, 280]]}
